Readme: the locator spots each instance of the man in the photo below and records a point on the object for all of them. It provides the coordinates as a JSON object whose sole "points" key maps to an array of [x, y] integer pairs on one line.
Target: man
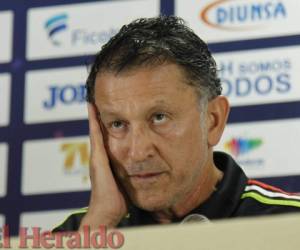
{"points": [[155, 114]]}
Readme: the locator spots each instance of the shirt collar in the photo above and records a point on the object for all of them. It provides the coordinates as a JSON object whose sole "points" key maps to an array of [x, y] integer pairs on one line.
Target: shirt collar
{"points": [[221, 204]]}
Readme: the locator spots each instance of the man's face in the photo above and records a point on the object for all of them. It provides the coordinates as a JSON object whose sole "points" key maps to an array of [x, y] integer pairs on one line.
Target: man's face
{"points": [[153, 133]]}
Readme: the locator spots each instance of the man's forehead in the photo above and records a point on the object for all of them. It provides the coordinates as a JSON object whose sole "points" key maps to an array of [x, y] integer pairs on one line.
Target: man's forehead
{"points": [[142, 89], [139, 81], [161, 74]]}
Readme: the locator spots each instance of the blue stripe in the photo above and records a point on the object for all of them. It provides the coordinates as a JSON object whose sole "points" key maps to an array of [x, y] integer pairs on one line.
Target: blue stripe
{"points": [[55, 19], [57, 29]]}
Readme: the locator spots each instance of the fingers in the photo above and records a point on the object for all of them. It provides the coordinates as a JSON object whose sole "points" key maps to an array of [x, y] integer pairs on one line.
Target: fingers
{"points": [[98, 153], [106, 201], [96, 137]]}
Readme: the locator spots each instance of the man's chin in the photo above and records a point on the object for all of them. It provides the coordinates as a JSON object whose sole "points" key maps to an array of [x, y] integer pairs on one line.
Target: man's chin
{"points": [[151, 204]]}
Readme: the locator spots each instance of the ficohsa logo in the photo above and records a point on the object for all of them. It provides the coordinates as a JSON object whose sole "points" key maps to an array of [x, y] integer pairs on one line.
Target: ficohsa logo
{"points": [[236, 15], [61, 31], [54, 26]]}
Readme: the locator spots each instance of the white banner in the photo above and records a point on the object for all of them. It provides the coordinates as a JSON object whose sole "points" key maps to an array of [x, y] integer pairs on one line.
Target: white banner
{"points": [[264, 149], [55, 95], [229, 20], [3, 168], [260, 76], [6, 34], [46, 220], [2, 220], [55, 165], [80, 29], [5, 89]]}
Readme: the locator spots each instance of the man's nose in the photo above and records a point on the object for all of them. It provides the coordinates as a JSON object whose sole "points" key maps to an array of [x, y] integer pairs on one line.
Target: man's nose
{"points": [[141, 146]]}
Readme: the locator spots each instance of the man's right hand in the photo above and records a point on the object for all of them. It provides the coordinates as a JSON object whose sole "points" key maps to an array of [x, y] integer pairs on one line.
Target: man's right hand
{"points": [[107, 203]]}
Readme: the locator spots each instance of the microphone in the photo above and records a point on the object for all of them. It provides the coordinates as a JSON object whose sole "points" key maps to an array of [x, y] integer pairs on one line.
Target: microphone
{"points": [[192, 218]]}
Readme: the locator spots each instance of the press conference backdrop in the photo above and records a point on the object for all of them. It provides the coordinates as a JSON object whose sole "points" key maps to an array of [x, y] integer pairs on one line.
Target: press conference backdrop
{"points": [[45, 47]]}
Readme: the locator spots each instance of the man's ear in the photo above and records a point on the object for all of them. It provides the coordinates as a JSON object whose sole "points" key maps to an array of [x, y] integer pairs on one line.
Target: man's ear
{"points": [[217, 114]]}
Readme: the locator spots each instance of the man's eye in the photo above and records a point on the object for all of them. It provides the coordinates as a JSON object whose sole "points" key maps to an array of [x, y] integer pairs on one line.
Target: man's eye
{"points": [[117, 125], [159, 118]]}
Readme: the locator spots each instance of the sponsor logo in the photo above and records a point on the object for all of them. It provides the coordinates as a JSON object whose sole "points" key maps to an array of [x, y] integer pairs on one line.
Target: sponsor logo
{"points": [[258, 147], [240, 146], [74, 150], [76, 36], [257, 77], [69, 165], [260, 76], [237, 15], [51, 96], [55, 25], [66, 95], [246, 152], [85, 37], [66, 30], [218, 20]]}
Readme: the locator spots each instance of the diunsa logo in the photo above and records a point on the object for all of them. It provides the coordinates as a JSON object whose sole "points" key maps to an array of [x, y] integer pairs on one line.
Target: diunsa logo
{"points": [[237, 15]]}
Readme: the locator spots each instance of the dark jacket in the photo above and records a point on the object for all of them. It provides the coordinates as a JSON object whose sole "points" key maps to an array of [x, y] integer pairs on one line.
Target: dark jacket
{"points": [[235, 196]]}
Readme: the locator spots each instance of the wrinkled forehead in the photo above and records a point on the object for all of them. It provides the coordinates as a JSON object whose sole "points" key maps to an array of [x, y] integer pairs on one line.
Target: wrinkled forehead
{"points": [[146, 86], [150, 78]]}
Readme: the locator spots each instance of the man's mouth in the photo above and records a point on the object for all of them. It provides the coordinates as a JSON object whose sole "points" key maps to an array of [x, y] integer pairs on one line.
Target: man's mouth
{"points": [[146, 176]]}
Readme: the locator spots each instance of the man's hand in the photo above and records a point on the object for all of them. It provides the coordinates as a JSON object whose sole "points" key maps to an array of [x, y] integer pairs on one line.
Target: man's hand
{"points": [[107, 203]]}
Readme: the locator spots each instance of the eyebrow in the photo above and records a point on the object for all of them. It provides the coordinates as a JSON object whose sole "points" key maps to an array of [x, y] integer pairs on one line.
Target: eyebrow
{"points": [[157, 103]]}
